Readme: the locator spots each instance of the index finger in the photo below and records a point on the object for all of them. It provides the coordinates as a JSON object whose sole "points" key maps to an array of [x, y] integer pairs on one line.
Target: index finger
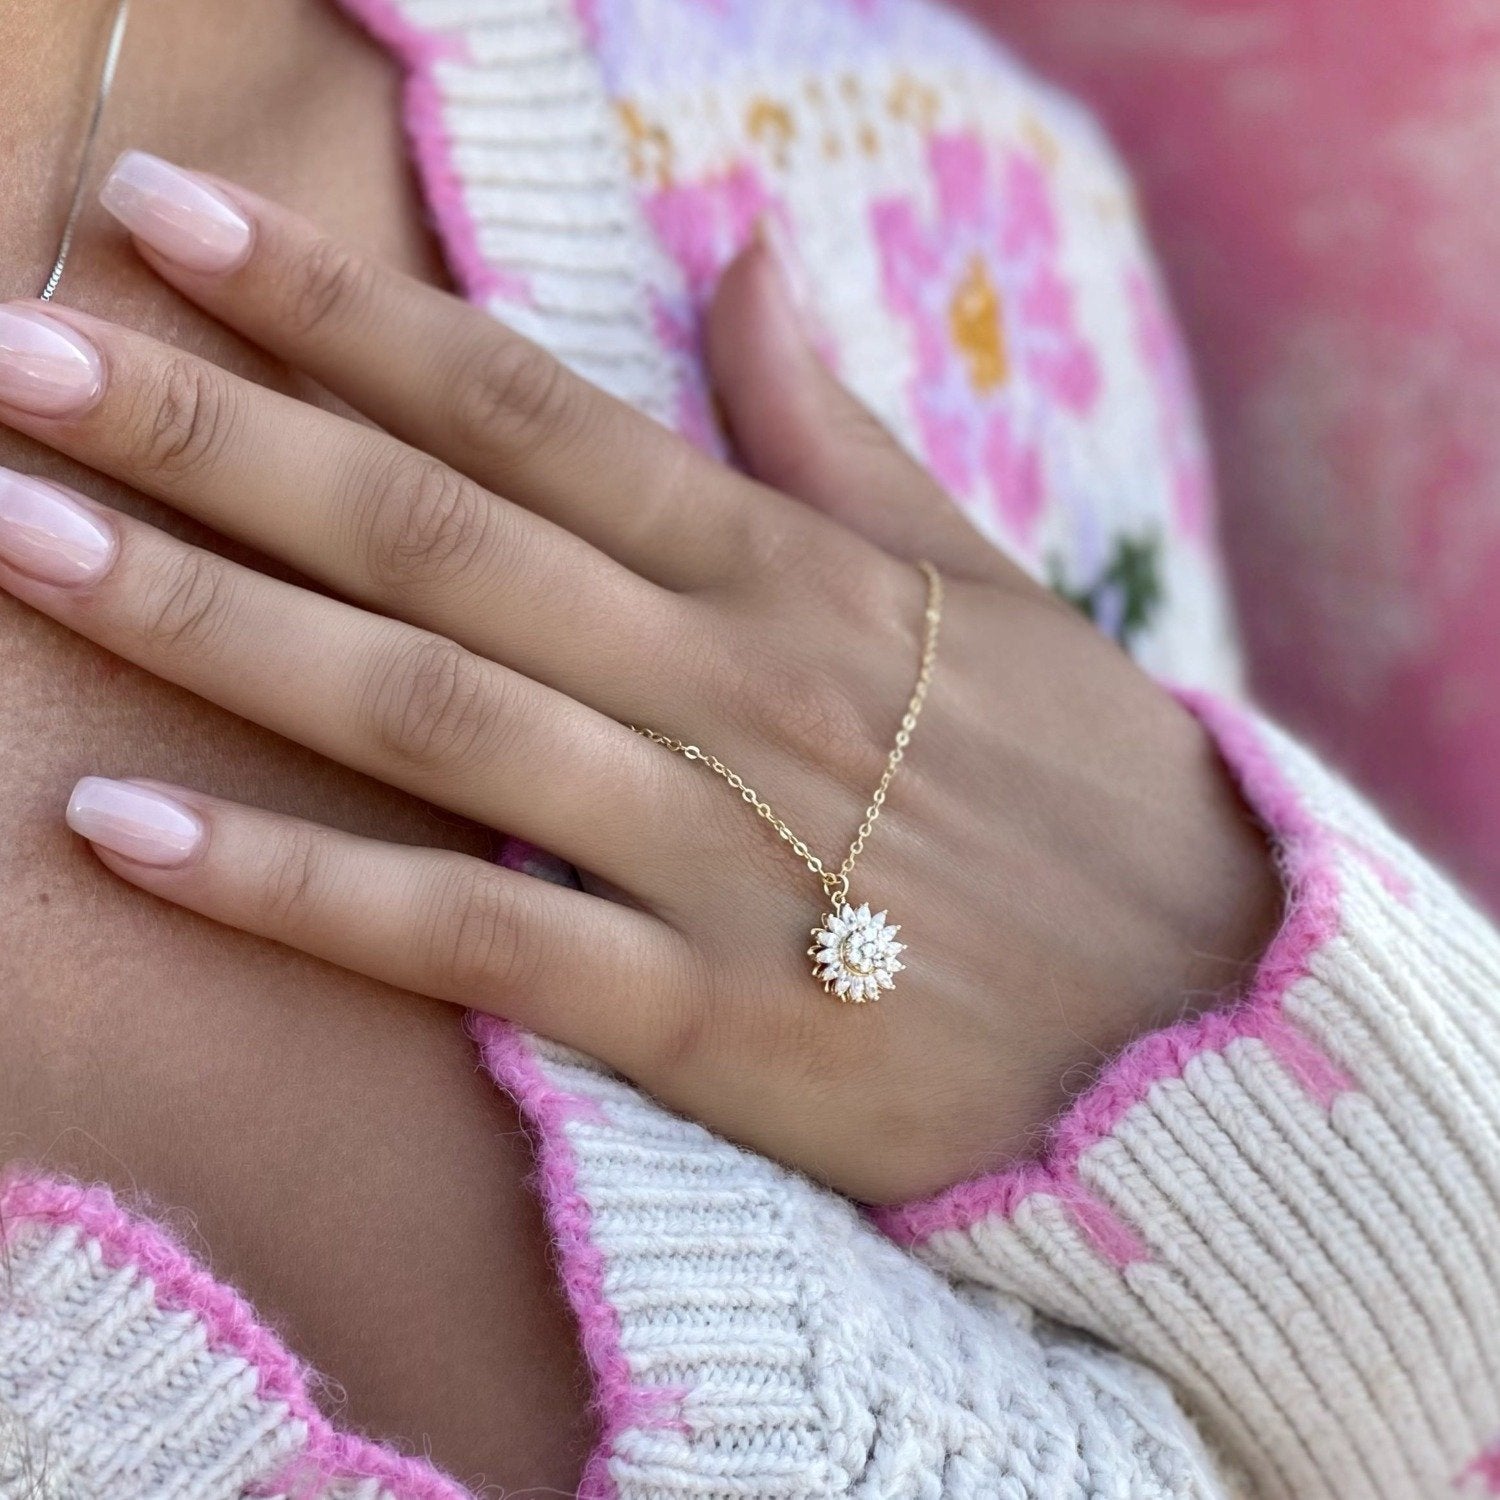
{"points": [[443, 375]]}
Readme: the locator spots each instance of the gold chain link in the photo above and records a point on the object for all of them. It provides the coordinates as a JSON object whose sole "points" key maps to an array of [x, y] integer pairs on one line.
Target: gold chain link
{"points": [[835, 883]]}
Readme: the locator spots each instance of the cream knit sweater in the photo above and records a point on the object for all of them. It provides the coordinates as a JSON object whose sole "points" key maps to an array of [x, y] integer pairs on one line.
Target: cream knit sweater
{"points": [[1262, 1254]]}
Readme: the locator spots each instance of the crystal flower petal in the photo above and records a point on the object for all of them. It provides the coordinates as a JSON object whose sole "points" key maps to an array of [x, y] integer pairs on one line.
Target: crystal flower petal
{"points": [[854, 953]]}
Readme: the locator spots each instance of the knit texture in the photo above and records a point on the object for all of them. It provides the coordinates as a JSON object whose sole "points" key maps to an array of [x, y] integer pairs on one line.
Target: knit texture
{"points": [[1262, 1255], [1291, 1208], [126, 1371]]}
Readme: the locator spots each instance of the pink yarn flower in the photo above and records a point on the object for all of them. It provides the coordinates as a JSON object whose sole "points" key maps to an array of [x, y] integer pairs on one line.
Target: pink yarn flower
{"points": [[1485, 1470], [997, 353], [701, 225], [1166, 360]]}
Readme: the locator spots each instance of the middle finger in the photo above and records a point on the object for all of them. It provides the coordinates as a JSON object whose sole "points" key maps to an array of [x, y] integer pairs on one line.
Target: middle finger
{"points": [[343, 503]]}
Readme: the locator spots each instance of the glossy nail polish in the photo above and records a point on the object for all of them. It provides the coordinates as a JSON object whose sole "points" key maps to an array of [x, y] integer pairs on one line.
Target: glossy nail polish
{"points": [[46, 368], [138, 822], [48, 535], [176, 212], [789, 264]]}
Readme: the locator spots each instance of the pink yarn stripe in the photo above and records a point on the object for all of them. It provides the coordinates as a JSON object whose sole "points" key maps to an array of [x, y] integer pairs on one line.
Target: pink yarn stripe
{"points": [[231, 1327], [1320, 1076], [1109, 1234], [1485, 1470], [1397, 885], [622, 1405], [419, 50], [1307, 854], [587, 12]]}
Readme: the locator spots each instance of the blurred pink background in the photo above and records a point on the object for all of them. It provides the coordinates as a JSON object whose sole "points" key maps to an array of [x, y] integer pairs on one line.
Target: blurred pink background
{"points": [[1323, 181]]}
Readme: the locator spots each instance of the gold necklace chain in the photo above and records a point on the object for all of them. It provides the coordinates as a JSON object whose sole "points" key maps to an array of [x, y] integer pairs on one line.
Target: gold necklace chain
{"points": [[856, 953]]}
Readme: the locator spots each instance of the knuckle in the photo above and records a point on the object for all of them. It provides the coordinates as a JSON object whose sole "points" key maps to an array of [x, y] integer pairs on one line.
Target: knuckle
{"points": [[828, 689], [474, 951], [815, 706], [685, 1033], [189, 421], [427, 526], [187, 603], [294, 873], [512, 395], [765, 540], [435, 707], [325, 286]]}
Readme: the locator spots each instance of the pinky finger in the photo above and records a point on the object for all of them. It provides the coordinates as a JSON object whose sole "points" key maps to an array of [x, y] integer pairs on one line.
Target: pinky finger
{"points": [[439, 923]]}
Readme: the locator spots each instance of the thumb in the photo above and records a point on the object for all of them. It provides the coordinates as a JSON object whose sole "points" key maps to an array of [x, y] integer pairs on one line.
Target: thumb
{"points": [[800, 429]]}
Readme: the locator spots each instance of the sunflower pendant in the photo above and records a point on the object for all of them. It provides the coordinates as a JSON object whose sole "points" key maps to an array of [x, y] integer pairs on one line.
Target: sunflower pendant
{"points": [[854, 954]]}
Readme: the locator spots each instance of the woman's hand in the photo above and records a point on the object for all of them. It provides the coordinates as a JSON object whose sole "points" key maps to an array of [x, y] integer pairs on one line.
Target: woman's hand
{"points": [[523, 568]]}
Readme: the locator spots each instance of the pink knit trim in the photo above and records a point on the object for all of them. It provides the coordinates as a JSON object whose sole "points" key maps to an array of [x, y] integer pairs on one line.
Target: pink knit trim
{"points": [[230, 1325], [621, 1404], [419, 50], [1484, 1470], [1306, 850]]}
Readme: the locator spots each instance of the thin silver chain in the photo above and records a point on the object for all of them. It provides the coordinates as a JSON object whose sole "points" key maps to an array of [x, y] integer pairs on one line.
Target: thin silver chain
{"points": [[101, 98]]}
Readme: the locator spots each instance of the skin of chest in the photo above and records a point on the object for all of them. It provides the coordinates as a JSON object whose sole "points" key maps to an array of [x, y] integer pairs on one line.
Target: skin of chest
{"points": [[315, 1120]]}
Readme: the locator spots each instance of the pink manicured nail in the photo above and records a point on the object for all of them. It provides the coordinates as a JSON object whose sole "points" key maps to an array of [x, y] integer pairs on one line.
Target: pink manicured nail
{"points": [[774, 237], [45, 367], [136, 821], [176, 213], [48, 535]]}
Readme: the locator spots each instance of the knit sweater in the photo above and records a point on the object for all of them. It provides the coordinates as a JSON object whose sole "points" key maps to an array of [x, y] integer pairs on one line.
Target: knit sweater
{"points": [[1261, 1254]]}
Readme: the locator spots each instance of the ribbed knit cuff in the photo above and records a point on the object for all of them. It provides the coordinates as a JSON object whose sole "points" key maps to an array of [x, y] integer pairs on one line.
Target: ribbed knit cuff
{"points": [[1291, 1207], [751, 1334], [126, 1369]]}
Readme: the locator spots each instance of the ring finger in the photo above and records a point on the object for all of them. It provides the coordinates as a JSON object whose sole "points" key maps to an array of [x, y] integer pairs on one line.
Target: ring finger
{"points": [[414, 709]]}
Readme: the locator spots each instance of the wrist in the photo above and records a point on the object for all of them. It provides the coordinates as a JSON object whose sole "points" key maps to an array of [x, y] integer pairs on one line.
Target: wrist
{"points": [[1205, 894], [1171, 920]]}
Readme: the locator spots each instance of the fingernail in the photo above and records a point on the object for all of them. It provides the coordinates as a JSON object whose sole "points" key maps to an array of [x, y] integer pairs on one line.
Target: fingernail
{"points": [[49, 536], [135, 821], [793, 277], [175, 212], [45, 367]]}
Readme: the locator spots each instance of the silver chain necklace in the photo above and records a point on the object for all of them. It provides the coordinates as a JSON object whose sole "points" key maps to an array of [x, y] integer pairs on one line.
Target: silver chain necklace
{"points": [[101, 98]]}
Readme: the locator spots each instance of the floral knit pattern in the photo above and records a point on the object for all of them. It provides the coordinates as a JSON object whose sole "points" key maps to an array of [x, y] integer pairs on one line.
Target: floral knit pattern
{"points": [[970, 252], [1261, 1256], [998, 353]]}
